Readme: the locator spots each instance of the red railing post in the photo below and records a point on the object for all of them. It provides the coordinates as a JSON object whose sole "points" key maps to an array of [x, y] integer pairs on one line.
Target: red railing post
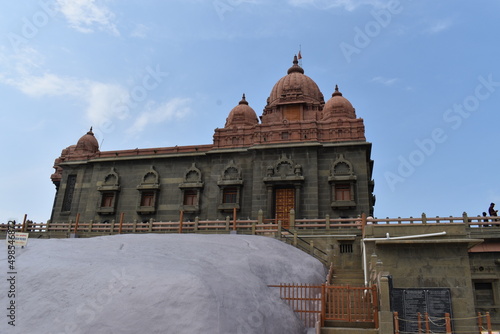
{"points": [[419, 322], [323, 304], [488, 322], [234, 219], [76, 223], [363, 224], [349, 310], [396, 323], [427, 326], [181, 216], [448, 323], [375, 305], [480, 321], [121, 223], [24, 223]]}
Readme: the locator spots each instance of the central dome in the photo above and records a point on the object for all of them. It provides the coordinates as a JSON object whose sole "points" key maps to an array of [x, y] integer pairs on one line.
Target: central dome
{"points": [[295, 87]]}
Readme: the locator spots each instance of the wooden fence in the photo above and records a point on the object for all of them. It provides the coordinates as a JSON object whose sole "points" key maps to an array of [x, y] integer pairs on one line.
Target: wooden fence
{"points": [[292, 238], [474, 221], [260, 226], [254, 226], [249, 226], [351, 304], [325, 302], [305, 299]]}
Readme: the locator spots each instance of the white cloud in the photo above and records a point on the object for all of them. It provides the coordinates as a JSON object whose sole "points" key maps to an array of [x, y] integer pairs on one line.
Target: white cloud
{"points": [[176, 108], [140, 31], [47, 84], [25, 71], [439, 26], [384, 81], [25, 60], [105, 102], [86, 15], [348, 5]]}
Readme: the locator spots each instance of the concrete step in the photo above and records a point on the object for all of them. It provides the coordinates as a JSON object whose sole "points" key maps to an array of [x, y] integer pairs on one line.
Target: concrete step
{"points": [[348, 276], [346, 330], [346, 324], [348, 281]]}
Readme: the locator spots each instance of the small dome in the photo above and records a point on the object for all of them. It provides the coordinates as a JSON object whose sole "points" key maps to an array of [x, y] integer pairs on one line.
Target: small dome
{"points": [[295, 87], [338, 107], [87, 144], [242, 114]]}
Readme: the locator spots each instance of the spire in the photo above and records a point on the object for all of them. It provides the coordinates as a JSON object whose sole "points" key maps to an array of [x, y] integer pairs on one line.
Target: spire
{"points": [[295, 67], [336, 93], [243, 100]]}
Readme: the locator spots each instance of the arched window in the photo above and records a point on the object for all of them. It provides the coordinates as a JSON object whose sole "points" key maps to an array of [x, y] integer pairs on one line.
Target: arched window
{"points": [[109, 189], [230, 184], [148, 192], [343, 184], [191, 190]]}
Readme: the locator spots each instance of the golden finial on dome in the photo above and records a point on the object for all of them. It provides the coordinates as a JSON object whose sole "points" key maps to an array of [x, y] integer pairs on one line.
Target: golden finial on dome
{"points": [[336, 93], [243, 100], [295, 67]]}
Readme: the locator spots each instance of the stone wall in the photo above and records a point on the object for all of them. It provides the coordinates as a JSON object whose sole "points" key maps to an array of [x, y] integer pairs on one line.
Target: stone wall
{"points": [[313, 186]]}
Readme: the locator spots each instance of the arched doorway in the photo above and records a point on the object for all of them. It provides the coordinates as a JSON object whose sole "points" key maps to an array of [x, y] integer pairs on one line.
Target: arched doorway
{"points": [[284, 200]]}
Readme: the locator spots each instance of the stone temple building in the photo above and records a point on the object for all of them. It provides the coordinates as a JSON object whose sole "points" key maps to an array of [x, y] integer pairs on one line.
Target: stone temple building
{"points": [[301, 153], [309, 155]]}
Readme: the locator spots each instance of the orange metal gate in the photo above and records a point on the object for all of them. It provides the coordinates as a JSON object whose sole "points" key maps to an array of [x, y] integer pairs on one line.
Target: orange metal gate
{"points": [[304, 299], [351, 304], [328, 302]]}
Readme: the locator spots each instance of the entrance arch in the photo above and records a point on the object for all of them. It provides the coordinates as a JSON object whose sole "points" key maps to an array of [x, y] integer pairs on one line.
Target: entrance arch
{"points": [[284, 182]]}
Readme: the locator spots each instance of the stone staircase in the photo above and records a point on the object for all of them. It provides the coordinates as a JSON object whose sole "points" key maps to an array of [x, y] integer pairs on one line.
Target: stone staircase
{"points": [[352, 277], [343, 277], [341, 327]]}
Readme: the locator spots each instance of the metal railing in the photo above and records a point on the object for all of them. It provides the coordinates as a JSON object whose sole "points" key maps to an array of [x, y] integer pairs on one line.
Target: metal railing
{"points": [[314, 303], [292, 238], [249, 226]]}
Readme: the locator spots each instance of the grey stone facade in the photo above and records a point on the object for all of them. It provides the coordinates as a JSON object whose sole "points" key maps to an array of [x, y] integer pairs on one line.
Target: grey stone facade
{"points": [[312, 182]]}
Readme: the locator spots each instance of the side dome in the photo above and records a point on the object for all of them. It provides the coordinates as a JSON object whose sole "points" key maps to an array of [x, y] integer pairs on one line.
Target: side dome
{"points": [[87, 144], [295, 87], [338, 107], [242, 115]]}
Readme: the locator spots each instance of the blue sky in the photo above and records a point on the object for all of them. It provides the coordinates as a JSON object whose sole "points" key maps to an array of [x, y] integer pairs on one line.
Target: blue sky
{"points": [[424, 76]]}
